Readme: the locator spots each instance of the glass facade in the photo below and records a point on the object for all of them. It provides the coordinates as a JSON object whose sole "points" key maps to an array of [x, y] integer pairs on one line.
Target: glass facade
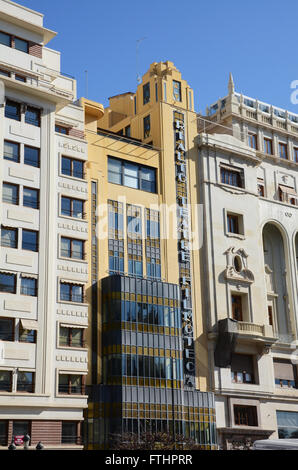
{"points": [[116, 241], [142, 359], [152, 244], [134, 240]]}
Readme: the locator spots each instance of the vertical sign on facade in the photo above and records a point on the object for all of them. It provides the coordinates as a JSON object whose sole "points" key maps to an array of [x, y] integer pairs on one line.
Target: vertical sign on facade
{"points": [[183, 228]]}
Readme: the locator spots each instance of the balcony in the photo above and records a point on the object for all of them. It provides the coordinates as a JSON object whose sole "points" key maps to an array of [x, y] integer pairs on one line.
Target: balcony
{"points": [[229, 332], [247, 328]]}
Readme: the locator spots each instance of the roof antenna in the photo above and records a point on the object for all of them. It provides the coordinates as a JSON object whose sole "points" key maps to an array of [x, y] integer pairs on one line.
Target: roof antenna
{"points": [[139, 78], [86, 83]]}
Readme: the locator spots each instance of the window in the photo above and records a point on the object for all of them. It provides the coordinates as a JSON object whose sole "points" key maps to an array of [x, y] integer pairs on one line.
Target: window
{"points": [[242, 369], [287, 195], [295, 154], [6, 329], [270, 315], [5, 381], [116, 242], [115, 171], [8, 283], [71, 384], [3, 433], [268, 146], [287, 423], [233, 223], [29, 240], [10, 193], [156, 91], [237, 308], [134, 240], [164, 91], [31, 197], [71, 336], [131, 175], [146, 93], [20, 78], [21, 428], [283, 153], [72, 167], [176, 90], [11, 151], [127, 131], [284, 373], [71, 292], [252, 141], [61, 129], [231, 176], [25, 382], [31, 156], [189, 100], [4, 73], [28, 286], [147, 179], [5, 39], [72, 207], [72, 248], [261, 187], [32, 116], [9, 237], [147, 126], [13, 110], [152, 244], [27, 331], [69, 433], [245, 415], [21, 45]]}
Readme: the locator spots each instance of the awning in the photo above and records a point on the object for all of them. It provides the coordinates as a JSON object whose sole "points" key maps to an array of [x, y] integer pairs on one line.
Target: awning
{"points": [[230, 167], [68, 325], [29, 275], [69, 281], [29, 324]]}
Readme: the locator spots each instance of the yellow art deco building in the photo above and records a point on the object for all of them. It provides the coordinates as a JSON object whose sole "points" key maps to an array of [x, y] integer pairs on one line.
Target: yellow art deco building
{"points": [[147, 344]]}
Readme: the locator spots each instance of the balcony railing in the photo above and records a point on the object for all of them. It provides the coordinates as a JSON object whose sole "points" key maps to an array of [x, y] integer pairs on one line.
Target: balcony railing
{"points": [[250, 328], [71, 440], [71, 389]]}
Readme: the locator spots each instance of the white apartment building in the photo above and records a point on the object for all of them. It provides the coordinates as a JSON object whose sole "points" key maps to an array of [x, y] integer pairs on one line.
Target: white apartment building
{"points": [[43, 270], [248, 170]]}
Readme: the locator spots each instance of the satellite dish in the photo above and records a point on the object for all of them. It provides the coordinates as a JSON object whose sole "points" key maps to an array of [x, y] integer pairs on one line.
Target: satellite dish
{"points": [[139, 79]]}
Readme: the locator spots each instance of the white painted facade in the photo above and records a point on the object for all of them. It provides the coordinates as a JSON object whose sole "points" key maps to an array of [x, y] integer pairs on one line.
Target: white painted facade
{"points": [[265, 282], [55, 95]]}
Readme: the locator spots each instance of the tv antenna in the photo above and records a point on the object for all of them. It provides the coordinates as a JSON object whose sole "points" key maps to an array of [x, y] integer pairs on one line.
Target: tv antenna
{"points": [[139, 78], [86, 83]]}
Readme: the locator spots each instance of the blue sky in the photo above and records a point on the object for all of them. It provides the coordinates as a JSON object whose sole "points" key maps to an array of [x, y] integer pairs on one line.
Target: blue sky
{"points": [[255, 40]]}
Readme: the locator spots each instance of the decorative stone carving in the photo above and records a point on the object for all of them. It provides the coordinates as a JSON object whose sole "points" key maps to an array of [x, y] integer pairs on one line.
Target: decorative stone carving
{"points": [[237, 269]]}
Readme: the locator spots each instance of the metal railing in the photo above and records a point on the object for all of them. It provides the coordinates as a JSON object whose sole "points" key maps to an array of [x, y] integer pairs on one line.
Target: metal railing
{"points": [[77, 440]]}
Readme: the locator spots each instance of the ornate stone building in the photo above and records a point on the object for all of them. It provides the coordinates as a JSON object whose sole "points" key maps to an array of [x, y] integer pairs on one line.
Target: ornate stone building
{"points": [[248, 181]]}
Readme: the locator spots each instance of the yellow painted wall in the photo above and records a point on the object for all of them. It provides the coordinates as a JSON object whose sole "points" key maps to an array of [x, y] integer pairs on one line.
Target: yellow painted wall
{"points": [[117, 116]]}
